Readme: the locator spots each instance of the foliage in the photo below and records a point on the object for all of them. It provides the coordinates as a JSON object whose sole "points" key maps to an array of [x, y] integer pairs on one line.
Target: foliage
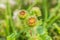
{"points": [[30, 20]]}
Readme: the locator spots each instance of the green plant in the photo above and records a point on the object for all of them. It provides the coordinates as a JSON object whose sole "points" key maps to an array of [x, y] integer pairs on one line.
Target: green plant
{"points": [[30, 23]]}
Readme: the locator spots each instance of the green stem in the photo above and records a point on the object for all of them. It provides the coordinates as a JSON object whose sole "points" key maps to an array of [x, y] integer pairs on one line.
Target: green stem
{"points": [[54, 19], [7, 23], [11, 23], [58, 6], [11, 37], [32, 5], [45, 11], [10, 16]]}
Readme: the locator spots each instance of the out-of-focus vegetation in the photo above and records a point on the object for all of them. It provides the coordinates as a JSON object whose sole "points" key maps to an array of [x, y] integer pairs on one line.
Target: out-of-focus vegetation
{"points": [[29, 19]]}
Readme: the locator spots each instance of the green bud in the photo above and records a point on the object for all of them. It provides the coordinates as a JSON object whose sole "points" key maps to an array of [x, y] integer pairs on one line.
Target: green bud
{"points": [[36, 11], [32, 21], [22, 14]]}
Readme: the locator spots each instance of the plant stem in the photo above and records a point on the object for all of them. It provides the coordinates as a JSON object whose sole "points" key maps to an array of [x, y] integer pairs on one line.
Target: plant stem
{"points": [[54, 19], [7, 23], [45, 11], [11, 23], [32, 5], [10, 16]]}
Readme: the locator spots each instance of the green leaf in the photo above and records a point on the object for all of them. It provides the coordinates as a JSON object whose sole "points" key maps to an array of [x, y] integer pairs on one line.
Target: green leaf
{"points": [[11, 37], [41, 30]]}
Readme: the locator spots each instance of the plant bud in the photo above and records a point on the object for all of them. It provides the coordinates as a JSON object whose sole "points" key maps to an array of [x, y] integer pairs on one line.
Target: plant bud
{"points": [[36, 11], [22, 14], [32, 21]]}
